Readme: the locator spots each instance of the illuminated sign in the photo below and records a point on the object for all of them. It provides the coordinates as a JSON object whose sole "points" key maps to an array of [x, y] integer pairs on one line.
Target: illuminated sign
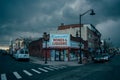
{"points": [[59, 40]]}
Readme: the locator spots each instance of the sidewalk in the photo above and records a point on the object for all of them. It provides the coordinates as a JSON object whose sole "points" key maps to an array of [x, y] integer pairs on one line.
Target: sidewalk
{"points": [[54, 63]]}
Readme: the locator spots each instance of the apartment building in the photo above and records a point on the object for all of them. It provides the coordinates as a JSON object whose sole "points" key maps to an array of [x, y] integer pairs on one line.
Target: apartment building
{"points": [[88, 33]]}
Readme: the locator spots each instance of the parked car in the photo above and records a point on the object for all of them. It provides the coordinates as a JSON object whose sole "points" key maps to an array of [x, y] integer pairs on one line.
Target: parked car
{"points": [[101, 58], [106, 57], [21, 54], [4, 52], [112, 55]]}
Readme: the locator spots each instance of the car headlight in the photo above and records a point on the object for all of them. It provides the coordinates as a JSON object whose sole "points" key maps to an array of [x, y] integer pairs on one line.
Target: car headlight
{"points": [[106, 57]]}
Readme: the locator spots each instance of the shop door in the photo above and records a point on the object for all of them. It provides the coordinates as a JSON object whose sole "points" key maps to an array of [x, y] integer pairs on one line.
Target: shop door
{"points": [[56, 55], [59, 55]]}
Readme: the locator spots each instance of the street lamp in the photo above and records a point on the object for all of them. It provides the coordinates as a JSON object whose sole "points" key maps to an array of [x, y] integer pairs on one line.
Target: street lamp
{"points": [[45, 38], [92, 13]]}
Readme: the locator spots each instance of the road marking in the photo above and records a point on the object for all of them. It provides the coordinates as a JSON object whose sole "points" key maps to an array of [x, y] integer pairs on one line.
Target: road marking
{"points": [[53, 67], [17, 75], [26, 72], [58, 67], [48, 68], [36, 71], [42, 69], [3, 77], [63, 67]]}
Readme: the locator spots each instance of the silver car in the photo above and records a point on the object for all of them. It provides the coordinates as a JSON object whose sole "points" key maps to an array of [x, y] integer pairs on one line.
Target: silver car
{"points": [[101, 58]]}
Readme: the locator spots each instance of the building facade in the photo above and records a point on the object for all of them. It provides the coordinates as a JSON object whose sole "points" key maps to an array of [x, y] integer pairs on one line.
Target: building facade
{"points": [[88, 33], [35, 48], [64, 47], [64, 43]]}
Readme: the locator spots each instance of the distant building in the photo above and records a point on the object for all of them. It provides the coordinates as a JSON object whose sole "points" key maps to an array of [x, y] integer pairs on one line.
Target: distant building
{"points": [[18, 43], [15, 45]]}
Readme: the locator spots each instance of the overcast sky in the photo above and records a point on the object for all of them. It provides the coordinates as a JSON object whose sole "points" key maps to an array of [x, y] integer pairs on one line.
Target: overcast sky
{"points": [[30, 18]]}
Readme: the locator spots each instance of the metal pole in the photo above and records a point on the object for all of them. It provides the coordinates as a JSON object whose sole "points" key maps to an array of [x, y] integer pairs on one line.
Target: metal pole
{"points": [[92, 13], [80, 60], [46, 52]]}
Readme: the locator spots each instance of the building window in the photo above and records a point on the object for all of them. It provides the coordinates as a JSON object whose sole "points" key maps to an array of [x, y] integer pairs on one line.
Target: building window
{"points": [[89, 44], [89, 35]]}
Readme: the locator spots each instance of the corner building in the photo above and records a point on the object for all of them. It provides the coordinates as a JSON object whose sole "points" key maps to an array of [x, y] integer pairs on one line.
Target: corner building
{"points": [[64, 47], [90, 38]]}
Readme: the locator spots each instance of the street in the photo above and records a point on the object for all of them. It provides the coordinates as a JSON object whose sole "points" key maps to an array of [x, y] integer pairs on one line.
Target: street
{"points": [[22, 70], [98, 71], [10, 69]]}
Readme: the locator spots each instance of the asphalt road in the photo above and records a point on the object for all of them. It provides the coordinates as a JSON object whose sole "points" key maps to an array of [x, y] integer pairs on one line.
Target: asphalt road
{"points": [[21, 70], [95, 71], [10, 69]]}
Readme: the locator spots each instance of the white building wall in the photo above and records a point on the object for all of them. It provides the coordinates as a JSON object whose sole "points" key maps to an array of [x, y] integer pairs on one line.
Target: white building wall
{"points": [[84, 33], [73, 31]]}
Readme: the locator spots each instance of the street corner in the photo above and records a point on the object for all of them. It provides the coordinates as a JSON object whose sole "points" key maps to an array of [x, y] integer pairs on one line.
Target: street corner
{"points": [[36, 60]]}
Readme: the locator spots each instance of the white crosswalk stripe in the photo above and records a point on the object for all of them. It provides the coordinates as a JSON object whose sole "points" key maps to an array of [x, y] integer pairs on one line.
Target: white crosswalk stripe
{"points": [[53, 67], [26, 72], [58, 67], [17, 75], [3, 77], [49, 68], [42, 69], [36, 71], [62, 67]]}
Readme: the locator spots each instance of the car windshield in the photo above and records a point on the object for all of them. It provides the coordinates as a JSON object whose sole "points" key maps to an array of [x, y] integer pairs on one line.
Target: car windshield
{"points": [[26, 52], [98, 55], [22, 51]]}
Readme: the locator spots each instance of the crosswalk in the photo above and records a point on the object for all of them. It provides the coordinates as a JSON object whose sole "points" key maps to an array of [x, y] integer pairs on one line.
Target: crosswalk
{"points": [[42, 69], [49, 68], [29, 72], [26, 72], [3, 77], [36, 71], [17, 75]]}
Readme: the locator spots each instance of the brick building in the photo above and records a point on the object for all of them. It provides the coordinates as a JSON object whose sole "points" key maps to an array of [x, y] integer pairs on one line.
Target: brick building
{"points": [[35, 48]]}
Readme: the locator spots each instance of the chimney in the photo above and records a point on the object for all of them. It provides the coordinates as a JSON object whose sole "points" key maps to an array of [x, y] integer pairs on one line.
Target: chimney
{"points": [[62, 24]]}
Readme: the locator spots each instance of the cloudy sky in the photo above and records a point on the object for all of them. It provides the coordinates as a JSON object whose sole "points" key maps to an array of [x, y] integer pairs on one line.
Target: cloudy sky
{"points": [[30, 18]]}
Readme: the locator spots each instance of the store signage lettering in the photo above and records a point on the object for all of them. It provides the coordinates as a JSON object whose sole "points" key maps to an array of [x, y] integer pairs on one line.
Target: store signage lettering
{"points": [[59, 40]]}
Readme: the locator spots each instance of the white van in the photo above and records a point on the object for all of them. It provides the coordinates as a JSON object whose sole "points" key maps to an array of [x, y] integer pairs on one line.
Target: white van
{"points": [[21, 54]]}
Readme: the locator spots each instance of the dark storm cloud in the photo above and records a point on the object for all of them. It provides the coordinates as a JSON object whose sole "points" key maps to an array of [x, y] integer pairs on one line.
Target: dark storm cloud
{"points": [[106, 9], [33, 17], [108, 21], [110, 29], [21, 13], [27, 16]]}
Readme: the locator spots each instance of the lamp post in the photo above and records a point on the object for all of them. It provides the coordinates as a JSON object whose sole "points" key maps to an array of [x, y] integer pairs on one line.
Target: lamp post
{"points": [[92, 13], [45, 37]]}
